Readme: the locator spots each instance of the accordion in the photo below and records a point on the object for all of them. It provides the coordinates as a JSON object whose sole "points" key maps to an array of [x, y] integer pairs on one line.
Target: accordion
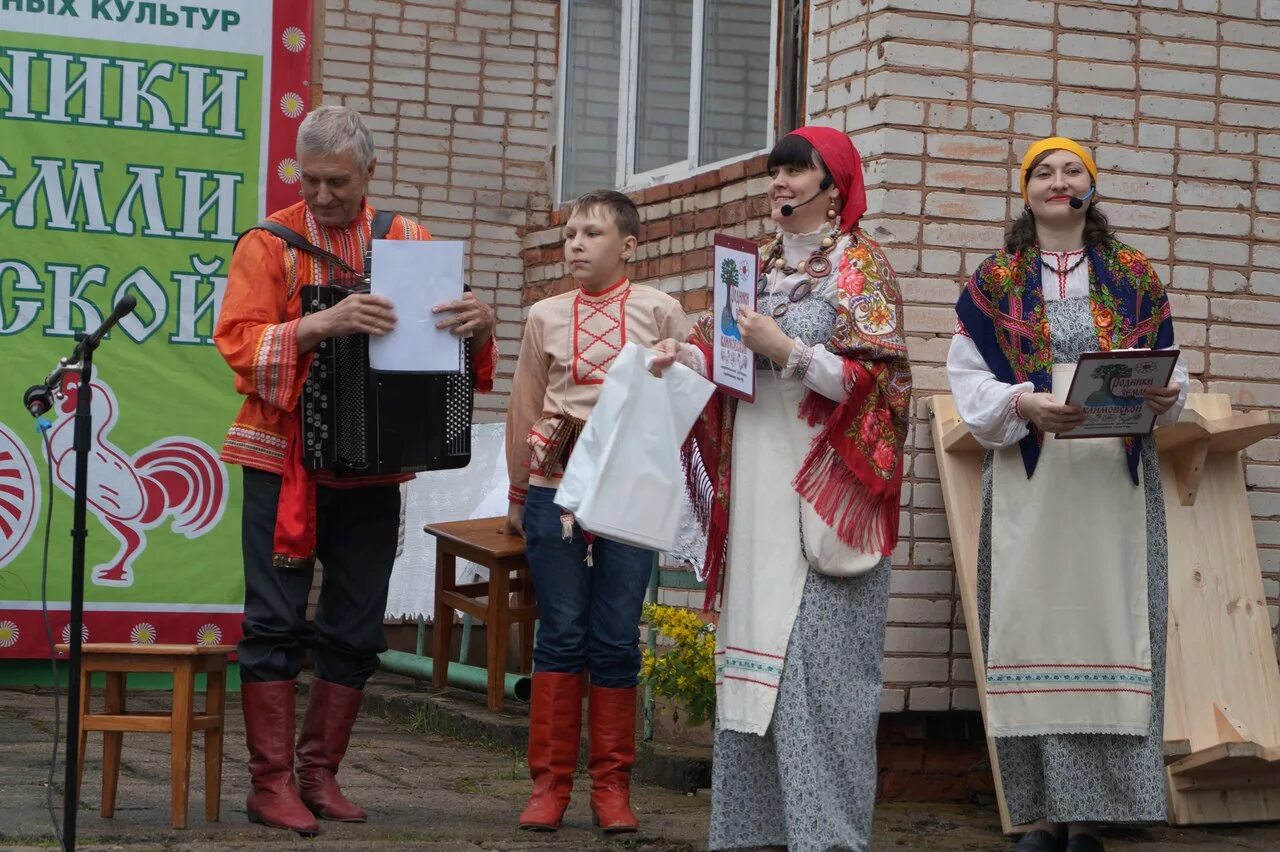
{"points": [[356, 420]]}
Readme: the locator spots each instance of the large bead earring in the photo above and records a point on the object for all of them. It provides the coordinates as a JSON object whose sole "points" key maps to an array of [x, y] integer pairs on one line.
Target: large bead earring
{"points": [[831, 210]]}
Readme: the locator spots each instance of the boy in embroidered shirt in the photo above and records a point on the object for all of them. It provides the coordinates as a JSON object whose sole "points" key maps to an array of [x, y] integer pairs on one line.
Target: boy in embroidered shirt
{"points": [[590, 589]]}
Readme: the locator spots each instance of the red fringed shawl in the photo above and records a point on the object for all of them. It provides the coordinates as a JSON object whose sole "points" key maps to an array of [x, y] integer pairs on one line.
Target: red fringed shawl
{"points": [[852, 474]]}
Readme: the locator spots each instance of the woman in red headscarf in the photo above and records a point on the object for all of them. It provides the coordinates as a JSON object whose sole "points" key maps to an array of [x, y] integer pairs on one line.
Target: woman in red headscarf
{"points": [[799, 493]]}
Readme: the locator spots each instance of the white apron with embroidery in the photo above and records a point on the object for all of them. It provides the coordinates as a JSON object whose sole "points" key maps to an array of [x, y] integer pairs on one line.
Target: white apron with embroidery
{"points": [[766, 568], [1068, 648]]}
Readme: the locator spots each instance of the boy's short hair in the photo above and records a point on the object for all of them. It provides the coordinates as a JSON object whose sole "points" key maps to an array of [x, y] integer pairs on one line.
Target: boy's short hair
{"points": [[621, 209]]}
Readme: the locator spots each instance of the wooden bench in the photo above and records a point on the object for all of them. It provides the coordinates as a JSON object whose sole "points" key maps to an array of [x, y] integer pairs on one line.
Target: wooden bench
{"points": [[184, 662], [486, 543]]}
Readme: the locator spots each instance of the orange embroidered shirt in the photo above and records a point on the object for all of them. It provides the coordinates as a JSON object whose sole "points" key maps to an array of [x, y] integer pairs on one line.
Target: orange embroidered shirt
{"points": [[257, 331]]}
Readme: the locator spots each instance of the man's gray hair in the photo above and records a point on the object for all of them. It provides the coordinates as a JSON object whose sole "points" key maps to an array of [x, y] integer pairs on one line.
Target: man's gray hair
{"points": [[329, 130]]}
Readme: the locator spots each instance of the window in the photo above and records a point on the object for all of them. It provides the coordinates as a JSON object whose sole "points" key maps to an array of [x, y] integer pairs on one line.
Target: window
{"points": [[656, 90]]}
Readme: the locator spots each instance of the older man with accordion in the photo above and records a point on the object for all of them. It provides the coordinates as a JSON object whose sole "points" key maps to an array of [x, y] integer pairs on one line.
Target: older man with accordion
{"points": [[325, 443]]}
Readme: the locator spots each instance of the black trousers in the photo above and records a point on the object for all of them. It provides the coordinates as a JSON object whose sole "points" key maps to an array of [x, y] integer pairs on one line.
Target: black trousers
{"points": [[356, 532]]}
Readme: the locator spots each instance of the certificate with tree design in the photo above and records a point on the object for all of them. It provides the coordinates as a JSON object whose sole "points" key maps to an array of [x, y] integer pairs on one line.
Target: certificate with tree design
{"points": [[735, 268], [1110, 387]]}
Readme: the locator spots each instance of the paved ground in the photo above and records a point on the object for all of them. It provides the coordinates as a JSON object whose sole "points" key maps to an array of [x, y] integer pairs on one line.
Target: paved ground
{"points": [[428, 792]]}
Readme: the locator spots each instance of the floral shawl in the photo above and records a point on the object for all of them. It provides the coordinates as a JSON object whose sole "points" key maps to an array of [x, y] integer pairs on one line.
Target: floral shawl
{"points": [[852, 474], [1002, 310]]}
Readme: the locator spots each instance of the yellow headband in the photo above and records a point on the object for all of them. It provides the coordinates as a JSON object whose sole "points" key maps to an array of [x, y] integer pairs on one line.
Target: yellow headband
{"points": [[1055, 143]]}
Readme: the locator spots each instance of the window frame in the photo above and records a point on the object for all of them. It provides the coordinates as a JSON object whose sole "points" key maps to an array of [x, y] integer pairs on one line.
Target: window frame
{"points": [[628, 75]]}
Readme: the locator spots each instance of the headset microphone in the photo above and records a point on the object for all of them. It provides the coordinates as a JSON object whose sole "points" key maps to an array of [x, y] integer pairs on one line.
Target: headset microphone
{"points": [[788, 209], [1077, 203]]}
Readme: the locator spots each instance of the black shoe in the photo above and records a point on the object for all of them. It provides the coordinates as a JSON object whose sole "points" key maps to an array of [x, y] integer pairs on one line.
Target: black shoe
{"points": [[1084, 843], [1038, 841]]}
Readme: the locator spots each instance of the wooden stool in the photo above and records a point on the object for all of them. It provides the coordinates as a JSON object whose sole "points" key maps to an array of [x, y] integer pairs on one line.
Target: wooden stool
{"points": [[486, 543], [184, 662]]}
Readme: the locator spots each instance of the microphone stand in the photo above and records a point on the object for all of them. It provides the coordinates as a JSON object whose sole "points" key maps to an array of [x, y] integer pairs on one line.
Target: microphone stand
{"points": [[38, 400]]}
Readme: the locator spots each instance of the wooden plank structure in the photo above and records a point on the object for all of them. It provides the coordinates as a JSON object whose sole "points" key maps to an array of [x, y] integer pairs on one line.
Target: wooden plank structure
{"points": [[1222, 695]]}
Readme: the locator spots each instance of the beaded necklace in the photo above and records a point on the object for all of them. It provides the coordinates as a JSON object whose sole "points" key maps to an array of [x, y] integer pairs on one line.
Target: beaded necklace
{"points": [[816, 267]]}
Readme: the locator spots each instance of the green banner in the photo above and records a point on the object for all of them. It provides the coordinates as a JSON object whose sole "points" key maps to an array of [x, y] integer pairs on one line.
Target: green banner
{"points": [[132, 151]]}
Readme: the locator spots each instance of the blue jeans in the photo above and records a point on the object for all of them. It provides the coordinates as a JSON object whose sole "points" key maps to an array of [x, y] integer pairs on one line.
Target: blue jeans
{"points": [[588, 617]]}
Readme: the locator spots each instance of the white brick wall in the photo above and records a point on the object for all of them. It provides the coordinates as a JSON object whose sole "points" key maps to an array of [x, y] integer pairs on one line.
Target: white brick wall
{"points": [[1178, 103], [460, 94]]}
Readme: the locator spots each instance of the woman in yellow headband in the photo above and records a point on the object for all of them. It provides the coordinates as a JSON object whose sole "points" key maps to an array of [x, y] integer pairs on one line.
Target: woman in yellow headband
{"points": [[1073, 567]]}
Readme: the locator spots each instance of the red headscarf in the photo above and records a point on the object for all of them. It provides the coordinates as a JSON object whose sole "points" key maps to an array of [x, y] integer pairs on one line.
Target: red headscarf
{"points": [[845, 167]]}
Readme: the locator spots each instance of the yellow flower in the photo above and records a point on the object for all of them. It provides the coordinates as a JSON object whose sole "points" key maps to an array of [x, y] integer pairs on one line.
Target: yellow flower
{"points": [[684, 669]]}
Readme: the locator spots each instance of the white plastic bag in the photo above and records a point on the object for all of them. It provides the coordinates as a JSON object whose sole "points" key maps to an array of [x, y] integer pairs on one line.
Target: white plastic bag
{"points": [[624, 480]]}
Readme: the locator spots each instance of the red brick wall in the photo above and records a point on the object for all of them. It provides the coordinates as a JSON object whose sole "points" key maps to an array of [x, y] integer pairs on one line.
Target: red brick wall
{"points": [[678, 220], [934, 757]]}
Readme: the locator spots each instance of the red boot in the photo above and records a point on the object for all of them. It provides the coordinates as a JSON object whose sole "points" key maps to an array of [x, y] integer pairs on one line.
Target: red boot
{"points": [[611, 725], [326, 730], [268, 725], [555, 727]]}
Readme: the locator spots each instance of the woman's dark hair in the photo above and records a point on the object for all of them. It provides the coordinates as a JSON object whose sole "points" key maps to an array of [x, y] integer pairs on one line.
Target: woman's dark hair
{"points": [[1022, 233], [797, 152]]}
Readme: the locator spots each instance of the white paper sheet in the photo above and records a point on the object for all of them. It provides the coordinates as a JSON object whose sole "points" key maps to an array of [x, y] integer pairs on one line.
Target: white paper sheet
{"points": [[416, 275]]}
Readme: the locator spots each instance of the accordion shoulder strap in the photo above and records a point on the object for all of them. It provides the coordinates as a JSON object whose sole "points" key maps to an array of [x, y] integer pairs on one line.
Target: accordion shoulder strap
{"points": [[379, 228], [301, 243], [381, 225]]}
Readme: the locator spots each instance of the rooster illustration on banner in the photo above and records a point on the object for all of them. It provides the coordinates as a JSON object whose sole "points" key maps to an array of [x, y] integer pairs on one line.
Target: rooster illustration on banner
{"points": [[177, 478]]}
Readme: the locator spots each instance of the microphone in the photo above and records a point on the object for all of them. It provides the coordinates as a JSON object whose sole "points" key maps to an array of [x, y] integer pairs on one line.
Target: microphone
{"points": [[38, 399], [123, 308], [788, 209], [1077, 203]]}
